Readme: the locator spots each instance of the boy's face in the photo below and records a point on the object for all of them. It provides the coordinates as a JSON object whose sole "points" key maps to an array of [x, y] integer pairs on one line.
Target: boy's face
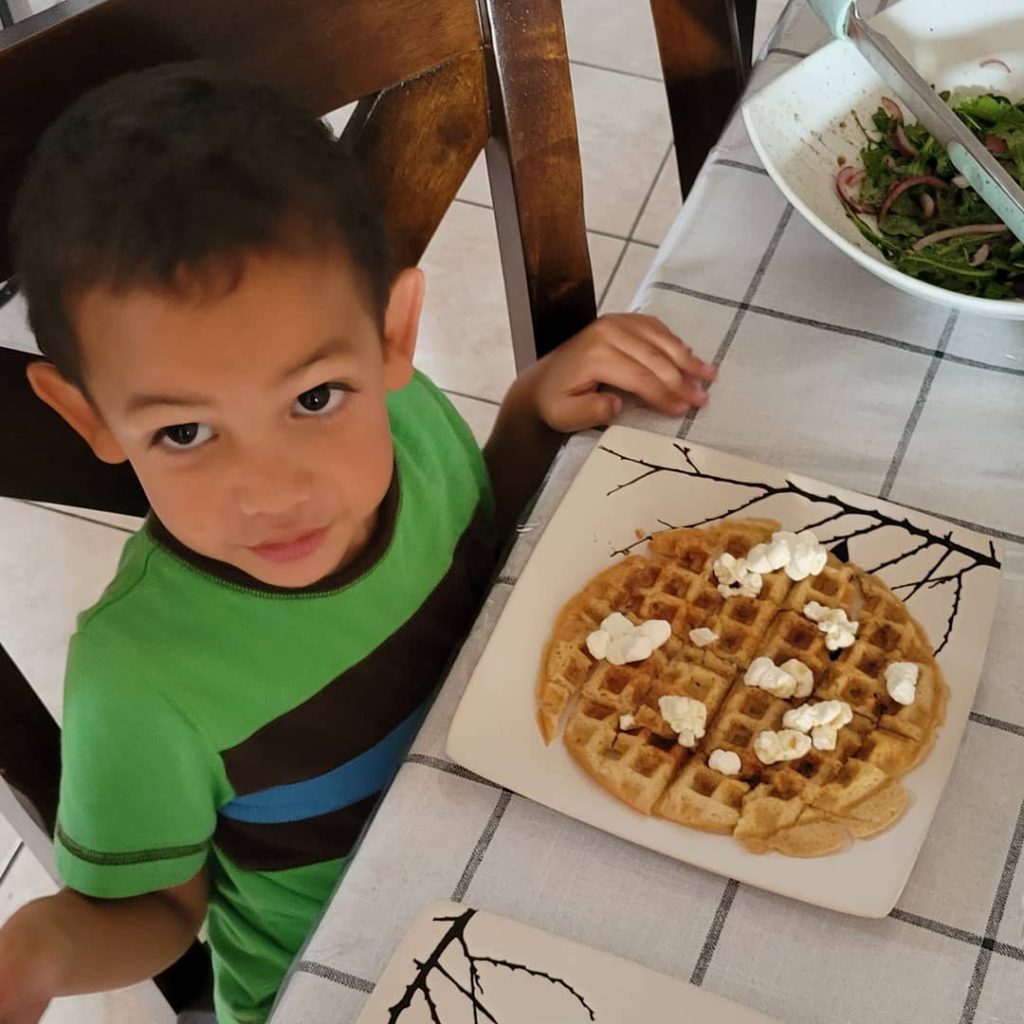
{"points": [[257, 421]]}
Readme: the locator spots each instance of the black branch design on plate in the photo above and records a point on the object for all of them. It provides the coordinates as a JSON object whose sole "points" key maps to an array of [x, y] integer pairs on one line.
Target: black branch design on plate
{"points": [[841, 516], [430, 969]]}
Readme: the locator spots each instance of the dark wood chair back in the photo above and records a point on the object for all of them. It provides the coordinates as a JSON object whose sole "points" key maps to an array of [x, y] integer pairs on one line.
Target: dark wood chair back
{"points": [[436, 80], [706, 50]]}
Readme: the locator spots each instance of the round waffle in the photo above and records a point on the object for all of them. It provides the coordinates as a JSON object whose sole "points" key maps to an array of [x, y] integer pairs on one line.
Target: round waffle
{"points": [[805, 808]]}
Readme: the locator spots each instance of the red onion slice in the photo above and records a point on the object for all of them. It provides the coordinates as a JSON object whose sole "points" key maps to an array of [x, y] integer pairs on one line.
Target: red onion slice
{"points": [[968, 229], [901, 186], [848, 182], [995, 62], [960, 181], [927, 205], [891, 107], [996, 145], [902, 143], [981, 255]]}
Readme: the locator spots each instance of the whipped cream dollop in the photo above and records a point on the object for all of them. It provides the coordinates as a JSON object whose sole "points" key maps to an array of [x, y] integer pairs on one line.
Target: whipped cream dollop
{"points": [[799, 554], [685, 716], [735, 578], [839, 630], [726, 762], [620, 642], [901, 681], [703, 636], [790, 679], [821, 721], [784, 745]]}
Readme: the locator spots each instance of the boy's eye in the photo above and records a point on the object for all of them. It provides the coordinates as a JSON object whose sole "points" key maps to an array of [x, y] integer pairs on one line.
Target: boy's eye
{"points": [[184, 435], [322, 399]]}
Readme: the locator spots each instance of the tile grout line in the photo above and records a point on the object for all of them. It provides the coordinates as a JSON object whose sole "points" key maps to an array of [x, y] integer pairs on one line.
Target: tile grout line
{"points": [[919, 404], [636, 223], [617, 71], [849, 332], [73, 515], [612, 275], [10, 864], [995, 919], [342, 978], [477, 856], [744, 305], [475, 398], [473, 202], [590, 231], [714, 932]]}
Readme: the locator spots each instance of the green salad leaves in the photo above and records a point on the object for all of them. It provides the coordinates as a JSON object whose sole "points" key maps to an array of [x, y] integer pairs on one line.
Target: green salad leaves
{"points": [[930, 223]]}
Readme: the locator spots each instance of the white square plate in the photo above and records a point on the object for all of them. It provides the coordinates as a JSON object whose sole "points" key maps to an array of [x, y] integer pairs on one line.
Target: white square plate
{"points": [[636, 482], [801, 123], [453, 955]]}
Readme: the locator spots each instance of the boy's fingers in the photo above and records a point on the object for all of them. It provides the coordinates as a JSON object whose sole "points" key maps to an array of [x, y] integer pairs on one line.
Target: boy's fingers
{"points": [[657, 334], [682, 386], [637, 375]]}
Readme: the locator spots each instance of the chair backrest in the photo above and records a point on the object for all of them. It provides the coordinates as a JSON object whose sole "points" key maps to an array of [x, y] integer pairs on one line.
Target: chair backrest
{"points": [[437, 80], [705, 48]]}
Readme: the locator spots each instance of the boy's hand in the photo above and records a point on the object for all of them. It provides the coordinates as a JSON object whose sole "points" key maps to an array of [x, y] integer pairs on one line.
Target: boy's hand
{"points": [[627, 351]]}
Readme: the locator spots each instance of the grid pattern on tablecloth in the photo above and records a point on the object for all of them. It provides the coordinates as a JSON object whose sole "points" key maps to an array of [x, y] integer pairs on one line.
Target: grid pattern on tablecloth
{"points": [[755, 947]]}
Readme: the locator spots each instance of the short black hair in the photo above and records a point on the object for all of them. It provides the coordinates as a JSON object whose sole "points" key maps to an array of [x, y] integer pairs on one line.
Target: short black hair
{"points": [[165, 178]]}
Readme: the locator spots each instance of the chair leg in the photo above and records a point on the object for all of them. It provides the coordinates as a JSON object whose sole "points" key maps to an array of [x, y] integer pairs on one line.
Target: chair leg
{"points": [[29, 745], [533, 153], [702, 45]]}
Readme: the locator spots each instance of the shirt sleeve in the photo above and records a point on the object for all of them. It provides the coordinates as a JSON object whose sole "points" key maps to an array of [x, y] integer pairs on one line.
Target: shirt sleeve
{"points": [[139, 783]]}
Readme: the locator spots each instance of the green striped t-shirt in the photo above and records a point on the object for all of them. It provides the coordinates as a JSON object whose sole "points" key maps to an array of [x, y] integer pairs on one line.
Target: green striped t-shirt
{"points": [[212, 719]]}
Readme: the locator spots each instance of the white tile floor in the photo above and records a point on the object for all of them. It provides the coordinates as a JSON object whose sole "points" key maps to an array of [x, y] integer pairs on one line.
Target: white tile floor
{"points": [[631, 198]]}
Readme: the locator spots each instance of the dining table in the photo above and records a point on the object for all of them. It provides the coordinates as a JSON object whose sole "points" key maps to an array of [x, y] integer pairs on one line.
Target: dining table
{"points": [[827, 371]]}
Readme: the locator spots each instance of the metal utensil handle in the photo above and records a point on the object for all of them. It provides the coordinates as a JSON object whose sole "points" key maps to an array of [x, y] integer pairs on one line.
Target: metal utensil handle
{"points": [[835, 14]]}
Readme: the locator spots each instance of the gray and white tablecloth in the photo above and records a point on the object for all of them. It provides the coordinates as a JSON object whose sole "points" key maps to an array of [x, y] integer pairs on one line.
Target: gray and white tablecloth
{"points": [[828, 372]]}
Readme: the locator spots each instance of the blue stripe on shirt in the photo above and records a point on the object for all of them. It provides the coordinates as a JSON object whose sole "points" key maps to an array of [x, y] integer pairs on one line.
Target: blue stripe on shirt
{"points": [[347, 784]]}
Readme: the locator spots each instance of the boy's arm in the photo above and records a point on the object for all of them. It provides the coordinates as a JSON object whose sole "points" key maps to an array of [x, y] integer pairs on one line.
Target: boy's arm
{"points": [[69, 944], [562, 393]]}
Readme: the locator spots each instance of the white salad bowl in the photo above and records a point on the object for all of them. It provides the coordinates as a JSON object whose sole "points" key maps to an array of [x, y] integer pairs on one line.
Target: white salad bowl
{"points": [[803, 125]]}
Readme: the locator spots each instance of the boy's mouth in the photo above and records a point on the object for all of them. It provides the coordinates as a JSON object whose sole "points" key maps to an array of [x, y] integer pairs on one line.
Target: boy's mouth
{"points": [[293, 549]]}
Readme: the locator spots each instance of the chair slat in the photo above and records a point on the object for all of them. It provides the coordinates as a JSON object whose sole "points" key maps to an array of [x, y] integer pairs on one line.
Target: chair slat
{"points": [[704, 46], [416, 142], [324, 53]]}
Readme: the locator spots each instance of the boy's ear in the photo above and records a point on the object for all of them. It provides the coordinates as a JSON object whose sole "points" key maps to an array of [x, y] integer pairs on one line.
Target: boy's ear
{"points": [[75, 409], [401, 327]]}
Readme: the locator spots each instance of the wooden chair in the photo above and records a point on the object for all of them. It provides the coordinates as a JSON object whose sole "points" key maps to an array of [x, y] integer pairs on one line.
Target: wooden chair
{"points": [[706, 49], [437, 81]]}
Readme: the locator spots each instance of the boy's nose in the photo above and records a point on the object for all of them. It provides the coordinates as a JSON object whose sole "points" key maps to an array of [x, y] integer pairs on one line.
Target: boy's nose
{"points": [[271, 486]]}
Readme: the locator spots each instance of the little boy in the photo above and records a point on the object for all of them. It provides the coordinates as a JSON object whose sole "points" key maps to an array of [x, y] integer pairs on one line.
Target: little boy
{"points": [[213, 293]]}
